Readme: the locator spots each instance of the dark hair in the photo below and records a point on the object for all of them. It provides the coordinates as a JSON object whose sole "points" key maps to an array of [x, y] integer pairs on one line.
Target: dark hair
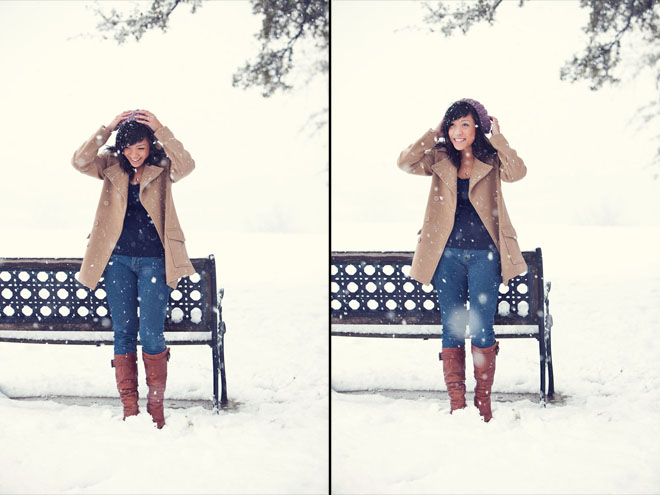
{"points": [[481, 147], [130, 132]]}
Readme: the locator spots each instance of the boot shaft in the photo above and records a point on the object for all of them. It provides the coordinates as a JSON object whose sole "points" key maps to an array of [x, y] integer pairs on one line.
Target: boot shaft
{"points": [[155, 367], [126, 371], [126, 374], [453, 367], [484, 374], [453, 363], [483, 360]]}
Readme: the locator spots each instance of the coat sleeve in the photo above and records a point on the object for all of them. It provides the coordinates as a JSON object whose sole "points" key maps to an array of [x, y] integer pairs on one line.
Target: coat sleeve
{"points": [[87, 160], [415, 159], [512, 168], [181, 161]]}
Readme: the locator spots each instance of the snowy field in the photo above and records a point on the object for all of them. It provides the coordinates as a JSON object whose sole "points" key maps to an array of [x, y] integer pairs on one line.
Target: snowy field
{"points": [[602, 436], [273, 440]]}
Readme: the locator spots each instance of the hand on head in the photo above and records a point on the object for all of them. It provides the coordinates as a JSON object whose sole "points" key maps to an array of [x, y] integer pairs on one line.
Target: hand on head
{"points": [[495, 125], [118, 119], [147, 118], [142, 116], [438, 130]]}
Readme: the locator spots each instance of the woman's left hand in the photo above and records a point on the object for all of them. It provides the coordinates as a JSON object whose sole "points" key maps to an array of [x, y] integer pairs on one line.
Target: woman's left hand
{"points": [[149, 119], [495, 126]]}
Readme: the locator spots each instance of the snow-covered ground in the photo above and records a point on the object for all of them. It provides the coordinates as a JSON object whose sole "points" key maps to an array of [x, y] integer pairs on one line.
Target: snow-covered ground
{"points": [[603, 436], [274, 439]]}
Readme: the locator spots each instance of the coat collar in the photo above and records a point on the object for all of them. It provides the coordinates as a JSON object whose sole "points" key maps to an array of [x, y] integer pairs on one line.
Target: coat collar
{"points": [[448, 172], [479, 171], [149, 174], [120, 179]]}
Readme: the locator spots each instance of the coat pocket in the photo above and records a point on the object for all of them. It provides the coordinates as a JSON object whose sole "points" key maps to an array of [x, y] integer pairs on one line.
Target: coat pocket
{"points": [[511, 241], [176, 242]]}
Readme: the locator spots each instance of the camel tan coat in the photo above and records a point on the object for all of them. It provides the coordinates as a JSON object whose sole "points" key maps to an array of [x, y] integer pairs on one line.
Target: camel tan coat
{"points": [[485, 193], [155, 196]]}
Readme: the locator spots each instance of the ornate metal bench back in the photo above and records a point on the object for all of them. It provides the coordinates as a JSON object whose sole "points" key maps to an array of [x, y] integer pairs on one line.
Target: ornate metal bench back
{"points": [[374, 288], [44, 294]]}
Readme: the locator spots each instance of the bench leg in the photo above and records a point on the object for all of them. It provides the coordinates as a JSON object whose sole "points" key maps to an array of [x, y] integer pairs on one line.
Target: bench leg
{"points": [[219, 359], [547, 338], [216, 366], [542, 355], [219, 370], [551, 375], [221, 355]]}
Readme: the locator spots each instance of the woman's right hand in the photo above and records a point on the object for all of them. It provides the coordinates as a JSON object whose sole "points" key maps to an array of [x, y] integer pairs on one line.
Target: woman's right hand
{"points": [[438, 130], [115, 122]]}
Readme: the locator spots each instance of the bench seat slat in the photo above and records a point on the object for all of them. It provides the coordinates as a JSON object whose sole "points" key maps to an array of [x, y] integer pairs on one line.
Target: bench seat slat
{"points": [[32, 336], [425, 331]]}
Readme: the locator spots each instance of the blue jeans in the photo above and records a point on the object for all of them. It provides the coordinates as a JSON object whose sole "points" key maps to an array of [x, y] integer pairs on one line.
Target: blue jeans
{"points": [[131, 282], [463, 272]]}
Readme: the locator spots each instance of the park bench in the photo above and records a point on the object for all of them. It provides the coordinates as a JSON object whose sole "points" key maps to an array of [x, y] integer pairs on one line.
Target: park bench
{"points": [[372, 295], [42, 302]]}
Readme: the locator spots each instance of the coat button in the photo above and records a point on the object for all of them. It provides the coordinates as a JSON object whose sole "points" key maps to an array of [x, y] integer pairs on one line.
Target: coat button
{"points": [[96, 223], [436, 198], [106, 203], [427, 219]]}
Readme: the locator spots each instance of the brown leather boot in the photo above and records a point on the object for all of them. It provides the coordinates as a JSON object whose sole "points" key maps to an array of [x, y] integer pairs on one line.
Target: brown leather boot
{"points": [[155, 366], [126, 373], [453, 366], [484, 374]]}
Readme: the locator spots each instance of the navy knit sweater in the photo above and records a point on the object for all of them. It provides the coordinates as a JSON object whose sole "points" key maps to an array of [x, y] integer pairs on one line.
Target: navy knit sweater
{"points": [[139, 236], [469, 231]]}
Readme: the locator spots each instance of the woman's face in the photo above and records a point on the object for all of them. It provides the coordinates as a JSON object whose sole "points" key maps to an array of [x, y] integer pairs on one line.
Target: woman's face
{"points": [[137, 153], [461, 132]]}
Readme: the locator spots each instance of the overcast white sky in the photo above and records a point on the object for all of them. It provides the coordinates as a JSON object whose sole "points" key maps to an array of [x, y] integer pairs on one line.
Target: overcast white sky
{"points": [[259, 167], [588, 159]]}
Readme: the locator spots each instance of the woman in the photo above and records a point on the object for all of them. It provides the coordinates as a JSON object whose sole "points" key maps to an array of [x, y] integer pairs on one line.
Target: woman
{"points": [[136, 244], [467, 245]]}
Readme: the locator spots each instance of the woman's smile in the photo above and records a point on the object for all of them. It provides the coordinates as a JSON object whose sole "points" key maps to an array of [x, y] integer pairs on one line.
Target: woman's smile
{"points": [[462, 133], [137, 153]]}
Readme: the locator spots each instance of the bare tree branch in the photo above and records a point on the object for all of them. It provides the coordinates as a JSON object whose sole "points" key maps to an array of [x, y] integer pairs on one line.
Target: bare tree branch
{"points": [[122, 26], [461, 16], [609, 22], [285, 24], [296, 20]]}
